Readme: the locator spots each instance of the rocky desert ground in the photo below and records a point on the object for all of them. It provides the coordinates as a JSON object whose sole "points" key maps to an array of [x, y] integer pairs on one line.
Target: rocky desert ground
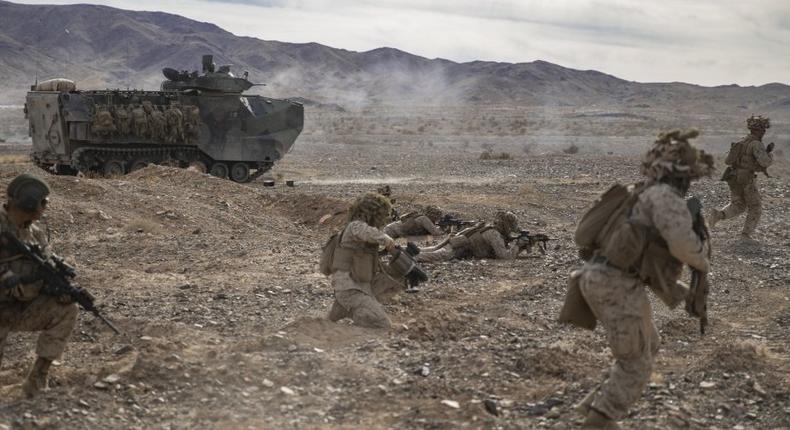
{"points": [[215, 287]]}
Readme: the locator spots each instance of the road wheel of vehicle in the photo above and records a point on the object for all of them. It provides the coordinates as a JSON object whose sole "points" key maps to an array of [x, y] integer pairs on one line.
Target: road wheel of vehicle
{"points": [[219, 170], [198, 166], [240, 172], [113, 168], [139, 164]]}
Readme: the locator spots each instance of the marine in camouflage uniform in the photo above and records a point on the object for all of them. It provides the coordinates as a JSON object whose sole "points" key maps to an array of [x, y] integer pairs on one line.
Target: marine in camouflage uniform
{"points": [[745, 158], [22, 305], [175, 124], [139, 122], [483, 241], [157, 121], [122, 119], [356, 263], [191, 123], [416, 224], [617, 297], [103, 123]]}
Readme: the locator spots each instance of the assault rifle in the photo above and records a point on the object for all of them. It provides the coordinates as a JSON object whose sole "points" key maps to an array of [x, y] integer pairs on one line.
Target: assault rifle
{"points": [[697, 300], [450, 221], [526, 240], [57, 276], [768, 149]]}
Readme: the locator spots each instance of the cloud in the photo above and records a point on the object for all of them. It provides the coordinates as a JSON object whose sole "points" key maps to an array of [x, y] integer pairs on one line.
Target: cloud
{"points": [[709, 42]]}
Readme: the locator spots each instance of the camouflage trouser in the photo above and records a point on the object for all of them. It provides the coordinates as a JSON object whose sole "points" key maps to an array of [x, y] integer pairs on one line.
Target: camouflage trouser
{"points": [[744, 197], [55, 321], [443, 254], [385, 287], [353, 300], [620, 303]]}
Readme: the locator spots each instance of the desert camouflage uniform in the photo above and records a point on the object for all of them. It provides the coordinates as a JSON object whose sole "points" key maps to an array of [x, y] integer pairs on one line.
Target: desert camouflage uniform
{"points": [[619, 301], [191, 123], [122, 117], [157, 121], [103, 123], [358, 299], [139, 121], [744, 195], [488, 243], [175, 124], [23, 308], [412, 226]]}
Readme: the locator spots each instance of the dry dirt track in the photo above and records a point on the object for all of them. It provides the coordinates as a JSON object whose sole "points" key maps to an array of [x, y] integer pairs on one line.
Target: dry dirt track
{"points": [[215, 287]]}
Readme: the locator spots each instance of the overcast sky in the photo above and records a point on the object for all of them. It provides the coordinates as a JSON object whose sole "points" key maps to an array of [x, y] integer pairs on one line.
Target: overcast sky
{"points": [[708, 42]]}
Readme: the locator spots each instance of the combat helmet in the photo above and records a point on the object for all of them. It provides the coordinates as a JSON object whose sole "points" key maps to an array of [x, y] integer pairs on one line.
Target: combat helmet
{"points": [[372, 208], [506, 222], [385, 191], [758, 123], [672, 156], [433, 212], [27, 191]]}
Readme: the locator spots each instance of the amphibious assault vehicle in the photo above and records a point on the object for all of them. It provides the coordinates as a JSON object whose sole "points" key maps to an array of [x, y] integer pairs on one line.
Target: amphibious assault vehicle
{"points": [[203, 121]]}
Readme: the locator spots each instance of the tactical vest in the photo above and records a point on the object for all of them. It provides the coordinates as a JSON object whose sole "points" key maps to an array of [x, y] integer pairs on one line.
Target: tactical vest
{"points": [[360, 259], [480, 247], [740, 156], [478, 228], [408, 215], [659, 270], [16, 263], [639, 250]]}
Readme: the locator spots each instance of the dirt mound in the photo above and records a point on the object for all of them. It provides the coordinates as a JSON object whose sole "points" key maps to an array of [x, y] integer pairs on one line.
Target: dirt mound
{"points": [[562, 360], [739, 356], [175, 175], [441, 325], [312, 209], [325, 334]]}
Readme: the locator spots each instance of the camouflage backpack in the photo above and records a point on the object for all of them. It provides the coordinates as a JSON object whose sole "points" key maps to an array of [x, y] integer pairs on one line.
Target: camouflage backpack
{"points": [[328, 253], [735, 152], [604, 226]]}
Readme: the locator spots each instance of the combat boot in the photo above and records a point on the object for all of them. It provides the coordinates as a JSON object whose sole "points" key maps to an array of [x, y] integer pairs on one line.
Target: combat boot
{"points": [[37, 379], [337, 312], [747, 239], [714, 218], [598, 421]]}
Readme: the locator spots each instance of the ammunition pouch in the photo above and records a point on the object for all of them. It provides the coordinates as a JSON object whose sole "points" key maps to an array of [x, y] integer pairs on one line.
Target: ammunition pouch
{"points": [[660, 271], [360, 261], [459, 242], [575, 309], [728, 175], [625, 245]]}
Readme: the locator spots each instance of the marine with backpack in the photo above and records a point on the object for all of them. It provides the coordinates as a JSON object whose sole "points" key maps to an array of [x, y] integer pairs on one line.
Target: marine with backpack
{"points": [[632, 237]]}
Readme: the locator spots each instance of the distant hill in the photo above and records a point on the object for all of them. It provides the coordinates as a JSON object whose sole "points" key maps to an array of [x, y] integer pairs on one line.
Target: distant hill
{"points": [[101, 47]]}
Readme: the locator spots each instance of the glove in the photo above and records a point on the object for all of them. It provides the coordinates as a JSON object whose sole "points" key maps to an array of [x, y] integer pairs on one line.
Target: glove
{"points": [[770, 147]]}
